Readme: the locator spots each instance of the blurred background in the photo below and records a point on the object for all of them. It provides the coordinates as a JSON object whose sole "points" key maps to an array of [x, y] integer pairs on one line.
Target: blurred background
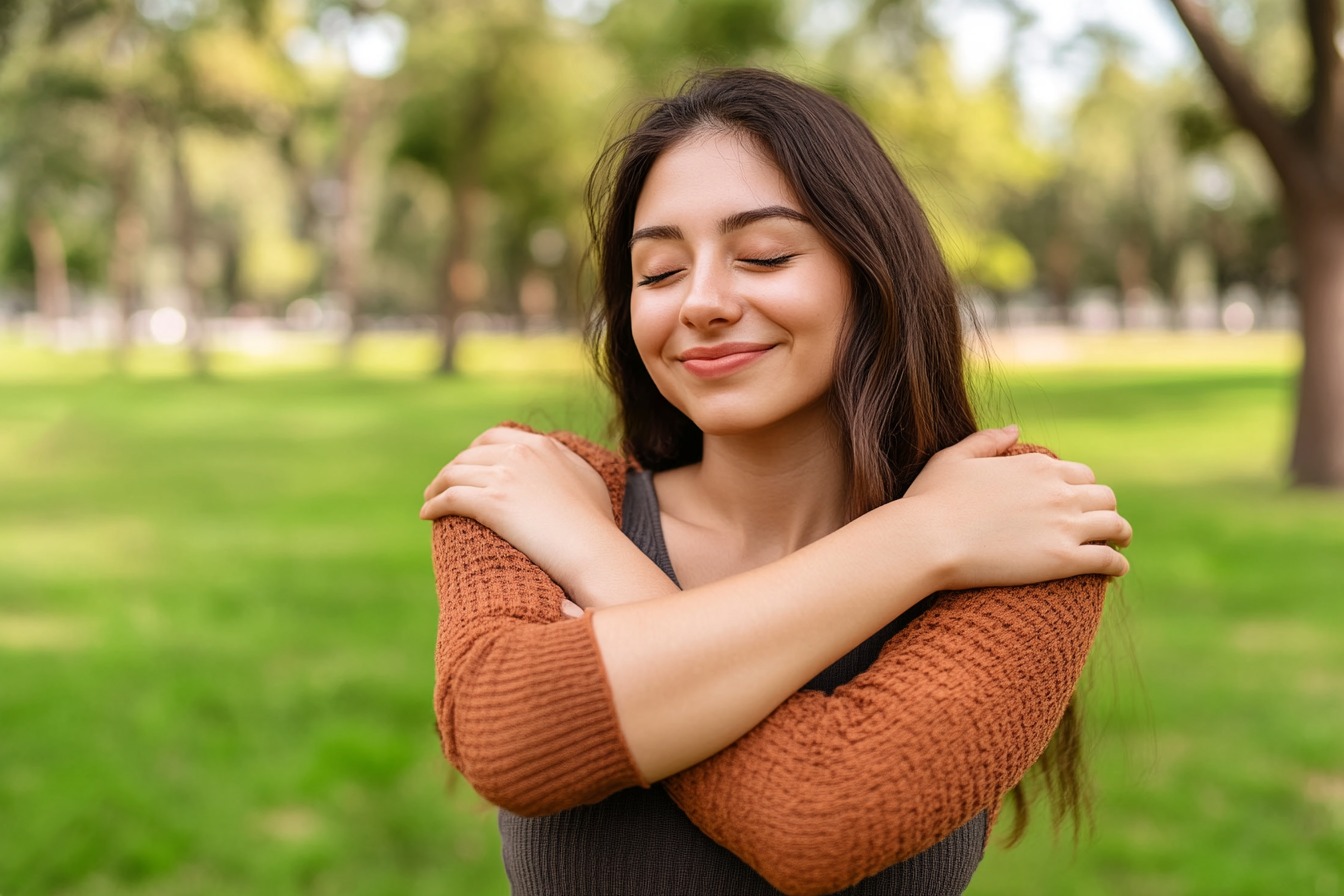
{"points": [[266, 265]]}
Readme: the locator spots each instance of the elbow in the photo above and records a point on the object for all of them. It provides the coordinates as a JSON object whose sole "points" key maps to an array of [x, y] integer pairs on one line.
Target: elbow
{"points": [[479, 748], [506, 785], [812, 841], [495, 760], [530, 741], [834, 851], [528, 782], [836, 830], [809, 861]]}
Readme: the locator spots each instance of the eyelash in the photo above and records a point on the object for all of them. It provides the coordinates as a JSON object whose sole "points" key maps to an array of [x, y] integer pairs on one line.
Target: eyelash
{"points": [[769, 262], [655, 278], [775, 262]]}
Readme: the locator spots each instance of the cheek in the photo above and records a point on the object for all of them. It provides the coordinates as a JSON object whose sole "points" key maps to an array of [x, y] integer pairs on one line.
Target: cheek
{"points": [[818, 308], [649, 327]]}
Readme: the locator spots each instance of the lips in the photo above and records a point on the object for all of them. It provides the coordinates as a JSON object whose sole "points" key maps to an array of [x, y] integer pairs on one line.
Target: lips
{"points": [[723, 359]]}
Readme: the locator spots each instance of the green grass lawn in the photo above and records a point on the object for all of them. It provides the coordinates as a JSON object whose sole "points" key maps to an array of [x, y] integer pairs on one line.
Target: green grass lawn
{"points": [[217, 620]]}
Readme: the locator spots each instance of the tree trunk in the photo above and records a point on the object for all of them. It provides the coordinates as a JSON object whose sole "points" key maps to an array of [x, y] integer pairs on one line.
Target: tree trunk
{"points": [[348, 249], [449, 308], [1131, 268], [458, 281], [185, 227], [128, 236], [1305, 151], [1318, 440], [1061, 275], [50, 282]]}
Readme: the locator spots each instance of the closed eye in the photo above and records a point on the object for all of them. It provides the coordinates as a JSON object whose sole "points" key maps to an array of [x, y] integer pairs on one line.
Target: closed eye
{"points": [[657, 278], [775, 262]]}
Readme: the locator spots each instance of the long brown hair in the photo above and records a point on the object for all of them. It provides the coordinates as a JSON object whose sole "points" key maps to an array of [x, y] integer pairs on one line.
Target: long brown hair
{"points": [[900, 390]]}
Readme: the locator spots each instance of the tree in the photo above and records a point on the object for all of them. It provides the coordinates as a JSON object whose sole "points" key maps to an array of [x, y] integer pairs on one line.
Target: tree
{"points": [[1306, 152], [963, 152], [43, 155], [343, 50]]}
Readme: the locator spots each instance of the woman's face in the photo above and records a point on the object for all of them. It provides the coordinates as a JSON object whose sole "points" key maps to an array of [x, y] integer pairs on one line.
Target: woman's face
{"points": [[738, 301]]}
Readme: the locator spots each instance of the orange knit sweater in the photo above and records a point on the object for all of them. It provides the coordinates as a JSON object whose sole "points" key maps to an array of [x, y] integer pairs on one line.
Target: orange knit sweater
{"points": [[824, 792]]}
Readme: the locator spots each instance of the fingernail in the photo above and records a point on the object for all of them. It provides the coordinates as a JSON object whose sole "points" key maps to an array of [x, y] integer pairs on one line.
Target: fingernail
{"points": [[1011, 428]]}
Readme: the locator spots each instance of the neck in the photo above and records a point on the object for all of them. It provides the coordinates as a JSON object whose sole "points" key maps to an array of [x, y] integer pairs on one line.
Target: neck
{"points": [[775, 490]]}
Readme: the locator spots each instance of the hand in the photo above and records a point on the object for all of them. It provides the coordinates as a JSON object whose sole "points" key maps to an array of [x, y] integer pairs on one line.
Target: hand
{"points": [[530, 490], [1014, 520]]}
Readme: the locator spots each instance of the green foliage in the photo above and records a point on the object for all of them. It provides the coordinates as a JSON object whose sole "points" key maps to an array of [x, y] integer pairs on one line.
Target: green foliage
{"points": [[1199, 129], [504, 105], [217, 620], [660, 37], [965, 156], [9, 14]]}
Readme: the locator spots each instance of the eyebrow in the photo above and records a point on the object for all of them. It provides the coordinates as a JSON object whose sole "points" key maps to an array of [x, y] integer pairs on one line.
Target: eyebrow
{"points": [[733, 222]]}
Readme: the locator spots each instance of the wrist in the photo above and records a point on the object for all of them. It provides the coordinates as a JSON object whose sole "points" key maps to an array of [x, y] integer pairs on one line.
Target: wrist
{"points": [[929, 558], [613, 570]]}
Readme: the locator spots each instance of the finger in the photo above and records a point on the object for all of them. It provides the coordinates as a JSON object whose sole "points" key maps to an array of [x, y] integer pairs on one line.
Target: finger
{"points": [[495, 435], [1076, 473], [506, 435], [1103, 560], [459, 475], [479, 455], [458, 500], [439, 482], [443, 480], [1096, 497], [466, 474], [985, 443], [571, 609], [1125, 536], [1107, 526]]}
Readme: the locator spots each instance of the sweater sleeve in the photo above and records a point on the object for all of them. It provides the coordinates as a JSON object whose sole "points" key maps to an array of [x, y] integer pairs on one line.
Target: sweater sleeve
{"points": [[521, 699], [830, 789], [826, 790]]}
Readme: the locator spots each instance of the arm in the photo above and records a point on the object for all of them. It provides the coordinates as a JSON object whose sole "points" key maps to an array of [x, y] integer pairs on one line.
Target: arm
{"points": [[832, 578], [956, 708], [520, 691]]}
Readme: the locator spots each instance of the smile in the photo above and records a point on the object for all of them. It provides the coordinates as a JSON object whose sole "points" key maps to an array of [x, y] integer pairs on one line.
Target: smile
{"points": [[721, 360]]}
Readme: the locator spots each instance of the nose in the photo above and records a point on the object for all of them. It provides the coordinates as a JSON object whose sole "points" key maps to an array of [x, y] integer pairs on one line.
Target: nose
{"points": [[710, 301]]}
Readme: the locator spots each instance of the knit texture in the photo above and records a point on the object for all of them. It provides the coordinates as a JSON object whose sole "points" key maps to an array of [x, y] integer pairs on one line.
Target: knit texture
{"points": [[638, 841], [520, 690], [827, 790]]}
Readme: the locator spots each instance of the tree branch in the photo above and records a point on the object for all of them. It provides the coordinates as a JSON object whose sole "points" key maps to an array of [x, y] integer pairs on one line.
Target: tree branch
{"points": [[1325, 113], [1249, 106]]}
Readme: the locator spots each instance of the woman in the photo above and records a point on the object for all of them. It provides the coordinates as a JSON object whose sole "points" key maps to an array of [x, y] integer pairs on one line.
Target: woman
{"points": [[765, 629]]}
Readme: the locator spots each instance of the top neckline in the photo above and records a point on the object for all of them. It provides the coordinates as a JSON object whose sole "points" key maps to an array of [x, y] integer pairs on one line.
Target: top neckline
{"points": [[642, 521]]}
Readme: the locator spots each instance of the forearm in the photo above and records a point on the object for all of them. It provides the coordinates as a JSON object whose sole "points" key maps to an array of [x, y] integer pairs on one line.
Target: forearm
{"points": [[690, 673], [956, 708], [726, 654], [623, 575], [520, 698]]}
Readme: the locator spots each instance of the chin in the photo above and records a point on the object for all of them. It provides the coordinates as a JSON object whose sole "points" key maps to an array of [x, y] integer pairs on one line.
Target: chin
{"points": [[726, 422]]}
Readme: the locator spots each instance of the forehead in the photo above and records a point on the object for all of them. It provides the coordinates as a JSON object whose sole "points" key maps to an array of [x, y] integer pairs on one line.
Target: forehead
{"points": [[710, 175]]}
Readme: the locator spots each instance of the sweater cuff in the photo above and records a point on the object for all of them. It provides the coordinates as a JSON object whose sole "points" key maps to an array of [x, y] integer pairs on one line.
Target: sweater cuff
{"points": [[579, 755], [621, 744]]}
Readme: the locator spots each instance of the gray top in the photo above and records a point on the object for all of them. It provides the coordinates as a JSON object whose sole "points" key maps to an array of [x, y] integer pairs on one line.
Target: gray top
{"points": [[638, 843]]}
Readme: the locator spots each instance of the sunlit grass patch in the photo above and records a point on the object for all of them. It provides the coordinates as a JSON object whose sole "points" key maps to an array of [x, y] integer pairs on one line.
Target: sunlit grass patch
{"points": [[23, 632], [224, 612], [382, 354]]}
